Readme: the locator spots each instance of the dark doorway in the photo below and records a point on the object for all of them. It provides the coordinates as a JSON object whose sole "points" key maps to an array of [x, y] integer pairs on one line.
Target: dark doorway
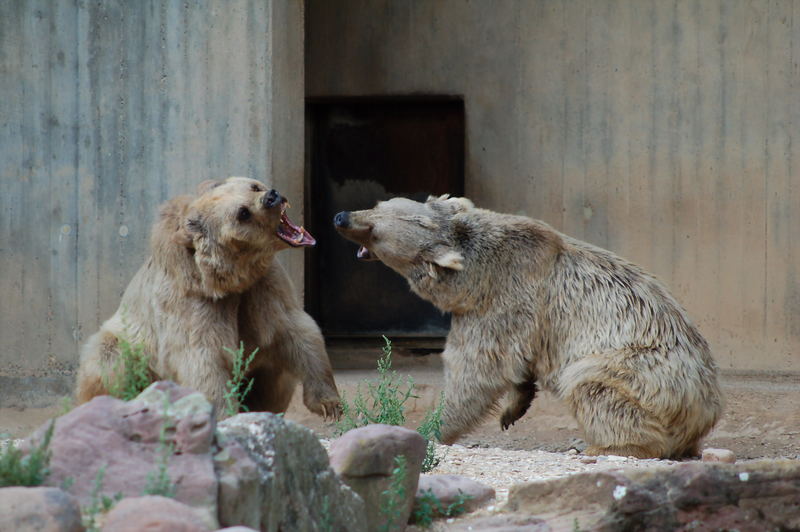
{"points": [[363, 150]]}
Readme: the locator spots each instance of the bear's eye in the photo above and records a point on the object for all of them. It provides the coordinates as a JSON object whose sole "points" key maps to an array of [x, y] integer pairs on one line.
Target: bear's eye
{"points": [[244, 214], [255, 188]]}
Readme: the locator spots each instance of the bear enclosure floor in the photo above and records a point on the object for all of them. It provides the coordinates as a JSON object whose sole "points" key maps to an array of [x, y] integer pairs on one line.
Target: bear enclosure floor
{"points": [[761, 418]]}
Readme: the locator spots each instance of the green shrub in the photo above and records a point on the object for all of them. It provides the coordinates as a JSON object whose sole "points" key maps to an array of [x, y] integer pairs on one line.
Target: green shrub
{"points": [[237, 388], [158, 482], [428, 506], [32, 469], [385, 402], [394, 496], [131, 372], [99, 503]]}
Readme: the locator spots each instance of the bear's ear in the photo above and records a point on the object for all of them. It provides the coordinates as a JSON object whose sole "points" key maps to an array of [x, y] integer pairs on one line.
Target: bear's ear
{"points": [[454, 205], [187, 230], [444, 257], [207, 185], [450, 259]]}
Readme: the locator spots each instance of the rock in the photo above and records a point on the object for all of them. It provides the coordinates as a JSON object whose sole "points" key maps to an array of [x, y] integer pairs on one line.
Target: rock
{"points": [[719, 455], [123, 439], [365, 459], [761, 495], [502, 523], [38, 510], [296, 489], [447, 489], [154, 514]]}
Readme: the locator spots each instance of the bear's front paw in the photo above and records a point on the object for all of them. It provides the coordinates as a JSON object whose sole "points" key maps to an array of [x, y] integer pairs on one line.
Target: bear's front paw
{"points": [[329, 407], [508, 418]]}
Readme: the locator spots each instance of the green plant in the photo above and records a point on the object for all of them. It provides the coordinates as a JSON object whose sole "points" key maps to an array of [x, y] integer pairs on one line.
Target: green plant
{"points": [[385, 402], [431, 430], [326, 520], [131, 372], [394, 496], [158, 482], [98, 504], [237, 388], [20, 469], [428, 506]]}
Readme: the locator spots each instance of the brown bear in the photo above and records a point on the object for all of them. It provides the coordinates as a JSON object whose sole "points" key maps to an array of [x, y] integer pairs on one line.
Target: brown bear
{"points": [[211, 282], [533, 306]]}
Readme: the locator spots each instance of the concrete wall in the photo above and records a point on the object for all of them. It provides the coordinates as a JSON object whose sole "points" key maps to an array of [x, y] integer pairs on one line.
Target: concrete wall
{"points": [[106, 109], [664, 131]]}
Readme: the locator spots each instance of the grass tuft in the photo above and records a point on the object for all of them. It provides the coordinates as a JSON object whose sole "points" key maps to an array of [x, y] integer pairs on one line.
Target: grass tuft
{"points": [[32, 469], [237, 387]]}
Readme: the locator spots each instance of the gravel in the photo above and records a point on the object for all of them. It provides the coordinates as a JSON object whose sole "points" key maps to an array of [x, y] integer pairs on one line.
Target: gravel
{"points": [[502, 468]]}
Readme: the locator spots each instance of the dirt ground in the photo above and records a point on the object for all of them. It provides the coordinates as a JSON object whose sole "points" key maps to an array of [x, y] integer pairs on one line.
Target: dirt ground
{"points": [[761, 419]]}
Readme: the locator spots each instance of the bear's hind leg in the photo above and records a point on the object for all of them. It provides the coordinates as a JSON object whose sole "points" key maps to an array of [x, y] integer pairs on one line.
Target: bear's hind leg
{"points": [[616, 423], [97, 360], [272, 390]]}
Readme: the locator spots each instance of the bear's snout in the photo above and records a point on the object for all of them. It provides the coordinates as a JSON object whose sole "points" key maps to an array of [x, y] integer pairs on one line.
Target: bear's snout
{"points": [[342, 220], [271, 198]]}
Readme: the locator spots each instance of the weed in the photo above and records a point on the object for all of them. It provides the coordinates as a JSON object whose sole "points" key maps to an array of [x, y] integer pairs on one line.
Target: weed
{"points": [[237, 388], [158, 482], [131, 372], [385, 402], [431, 430], [428, 506], [99, 504], [326, 520], [394, 496], [20, 469]]}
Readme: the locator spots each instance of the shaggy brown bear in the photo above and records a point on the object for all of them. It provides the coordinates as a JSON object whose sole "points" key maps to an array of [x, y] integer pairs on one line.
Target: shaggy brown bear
{"points": [[533, 306], [211, 282]]}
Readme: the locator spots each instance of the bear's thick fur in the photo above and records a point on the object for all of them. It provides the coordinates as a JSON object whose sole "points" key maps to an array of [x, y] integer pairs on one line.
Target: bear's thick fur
{"points": [[533, 306], [209, 284]]}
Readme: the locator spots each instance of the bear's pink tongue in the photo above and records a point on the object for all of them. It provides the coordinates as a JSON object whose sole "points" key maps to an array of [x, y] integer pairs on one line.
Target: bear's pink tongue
{"points": [[363, 253], [294, 235]]}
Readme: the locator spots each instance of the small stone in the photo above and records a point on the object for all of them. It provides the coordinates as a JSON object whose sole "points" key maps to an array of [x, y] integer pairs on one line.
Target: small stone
{"points": [[448, 488], [615, 458], [572, 452], [365, 458], [589, 460], [719, 455], [154, 514]]}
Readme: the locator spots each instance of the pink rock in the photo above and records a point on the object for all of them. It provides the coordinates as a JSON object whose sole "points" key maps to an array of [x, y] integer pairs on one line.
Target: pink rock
{"points": [[448, 488], [365, 458], [154, 514], [123, 438], [38, 510], [719, 455]]}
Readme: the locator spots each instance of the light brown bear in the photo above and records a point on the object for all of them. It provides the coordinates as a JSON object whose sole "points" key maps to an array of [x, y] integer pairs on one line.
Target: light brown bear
{"points": [[211, 282], [530, 305]]}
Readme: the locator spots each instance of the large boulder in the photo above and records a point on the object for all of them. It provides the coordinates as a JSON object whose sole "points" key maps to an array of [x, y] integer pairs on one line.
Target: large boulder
{"points": [[128, 441], [365, 458], [39, 510], [763, 495], [293, 488]]}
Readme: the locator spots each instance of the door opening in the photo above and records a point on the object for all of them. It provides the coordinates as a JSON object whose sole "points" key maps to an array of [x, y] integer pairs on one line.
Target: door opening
{"points": [[362, 150]]}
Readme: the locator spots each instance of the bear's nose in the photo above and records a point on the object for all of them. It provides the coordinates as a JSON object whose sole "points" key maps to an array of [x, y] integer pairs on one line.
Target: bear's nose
{"points": [[342, 219], [271, 198]]}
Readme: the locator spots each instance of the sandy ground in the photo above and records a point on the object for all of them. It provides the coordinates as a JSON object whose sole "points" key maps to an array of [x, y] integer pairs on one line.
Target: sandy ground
{"points": [[761, 419]]}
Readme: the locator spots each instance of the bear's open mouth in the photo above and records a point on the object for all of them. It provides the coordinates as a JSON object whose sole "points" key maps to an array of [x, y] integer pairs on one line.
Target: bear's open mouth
{"points": [[364, 254], [292, 234]]}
